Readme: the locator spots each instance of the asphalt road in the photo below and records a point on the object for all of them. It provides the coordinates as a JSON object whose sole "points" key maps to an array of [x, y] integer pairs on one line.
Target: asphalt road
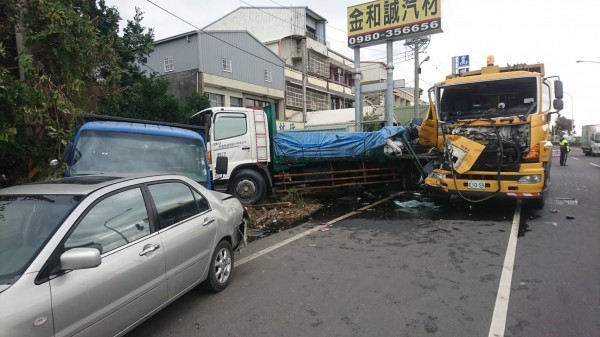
{"points": [[430, 272]]}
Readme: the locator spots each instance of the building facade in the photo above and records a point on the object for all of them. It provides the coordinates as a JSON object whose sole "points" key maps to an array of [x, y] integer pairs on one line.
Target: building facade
{"points": [[316, 77], [232, 67]]}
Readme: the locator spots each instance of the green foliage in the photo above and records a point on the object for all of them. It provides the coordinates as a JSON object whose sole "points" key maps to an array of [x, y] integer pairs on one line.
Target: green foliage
{"points": [[145, 98], [194, 103], [294, 196], [563, 125], [72, 61], [369, 127]]}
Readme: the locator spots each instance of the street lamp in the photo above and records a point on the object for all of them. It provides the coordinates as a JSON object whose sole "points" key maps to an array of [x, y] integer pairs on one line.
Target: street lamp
{"points": [[581, 61], [572, 111]]}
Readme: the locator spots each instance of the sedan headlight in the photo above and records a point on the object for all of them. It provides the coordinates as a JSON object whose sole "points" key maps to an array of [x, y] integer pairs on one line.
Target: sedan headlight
{"points": [[533, 179]]}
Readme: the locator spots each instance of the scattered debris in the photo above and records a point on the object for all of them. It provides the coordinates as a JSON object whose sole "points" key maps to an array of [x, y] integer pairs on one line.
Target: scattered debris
{"points": [[555, 224], [415, 204], [570, 217], [554, 211], [272, 205]]}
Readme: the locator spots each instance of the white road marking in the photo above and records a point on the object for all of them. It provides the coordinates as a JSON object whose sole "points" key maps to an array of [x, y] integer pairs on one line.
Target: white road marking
{"points": [[305, 233], [594, 164], [575, 158], [501, 308]]}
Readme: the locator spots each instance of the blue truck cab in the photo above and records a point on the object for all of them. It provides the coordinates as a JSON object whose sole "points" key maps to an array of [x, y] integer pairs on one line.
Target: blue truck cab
{"points": [[106, 144]]}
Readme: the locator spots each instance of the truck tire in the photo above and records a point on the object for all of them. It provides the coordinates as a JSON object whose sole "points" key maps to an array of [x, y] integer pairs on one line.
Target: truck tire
{"points": [[541, 202], [248, 186], [537, 203]]}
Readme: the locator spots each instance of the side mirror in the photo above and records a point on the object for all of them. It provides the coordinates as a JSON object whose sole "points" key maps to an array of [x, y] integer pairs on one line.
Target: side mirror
{"points": [[222, 163], [558, 89], [80, 258], [54, 164], [67, 152], [558, 104]]}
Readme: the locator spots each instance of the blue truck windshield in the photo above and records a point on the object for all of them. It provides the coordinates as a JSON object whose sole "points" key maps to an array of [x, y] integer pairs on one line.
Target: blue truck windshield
{"points": [[104, 152]]}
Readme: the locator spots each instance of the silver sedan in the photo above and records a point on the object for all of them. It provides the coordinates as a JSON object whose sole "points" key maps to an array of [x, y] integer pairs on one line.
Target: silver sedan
{"points": [[97, 255]]}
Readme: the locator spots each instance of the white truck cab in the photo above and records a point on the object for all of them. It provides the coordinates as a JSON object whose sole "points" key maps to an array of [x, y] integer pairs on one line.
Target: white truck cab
{"points": [[241, 136]]}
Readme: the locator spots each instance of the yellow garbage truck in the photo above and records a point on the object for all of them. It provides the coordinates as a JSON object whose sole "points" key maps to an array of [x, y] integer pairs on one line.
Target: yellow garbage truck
{"points": [[491, 128]]}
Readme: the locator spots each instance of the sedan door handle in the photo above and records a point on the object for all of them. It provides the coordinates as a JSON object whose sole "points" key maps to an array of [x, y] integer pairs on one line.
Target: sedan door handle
{"points": [[208, 221], [149, 249], [246, 148]]}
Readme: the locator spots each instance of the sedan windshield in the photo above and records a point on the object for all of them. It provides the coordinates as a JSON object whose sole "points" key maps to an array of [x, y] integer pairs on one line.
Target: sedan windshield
{"points": [[101, 152], [26, 223]]}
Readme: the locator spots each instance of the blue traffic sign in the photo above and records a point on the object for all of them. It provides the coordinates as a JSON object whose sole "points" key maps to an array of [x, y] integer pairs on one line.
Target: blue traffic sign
{"points": [[463, 61]]}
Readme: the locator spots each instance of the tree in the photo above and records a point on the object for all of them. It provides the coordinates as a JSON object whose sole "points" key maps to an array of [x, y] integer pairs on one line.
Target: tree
{"points": [[563, 125], [194, 103], [74, 62]]}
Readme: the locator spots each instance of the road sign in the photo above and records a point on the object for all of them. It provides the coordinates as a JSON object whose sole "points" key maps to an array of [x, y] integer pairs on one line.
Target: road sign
{"points": [[379, 21], [460, 64], [463, 61]]}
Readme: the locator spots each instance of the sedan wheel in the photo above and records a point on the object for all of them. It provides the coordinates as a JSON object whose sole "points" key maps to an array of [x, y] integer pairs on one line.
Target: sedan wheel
{"points": [[220, 268]]}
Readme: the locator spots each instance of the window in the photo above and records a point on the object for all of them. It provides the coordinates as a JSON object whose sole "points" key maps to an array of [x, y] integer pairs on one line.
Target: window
{"points": [[227, 66], [251, 103], [268, 76], [168, 64], [318, 65], [546, 97], [201, 202], [113, 222], [293, 96], [236, 102], [111, 151], [174, 203], [231, 125], [216, 100]]}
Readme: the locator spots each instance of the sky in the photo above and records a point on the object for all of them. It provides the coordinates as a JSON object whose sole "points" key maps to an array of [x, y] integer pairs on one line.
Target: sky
{"points": [[554, 32]]}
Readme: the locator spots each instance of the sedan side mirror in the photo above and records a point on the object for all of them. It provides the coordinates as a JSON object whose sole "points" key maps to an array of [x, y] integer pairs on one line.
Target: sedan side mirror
{"points": [[80, 258]]}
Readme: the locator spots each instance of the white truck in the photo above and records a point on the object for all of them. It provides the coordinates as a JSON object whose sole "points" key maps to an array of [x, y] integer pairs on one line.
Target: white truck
{"points": [[258, 159], [590, 140]]}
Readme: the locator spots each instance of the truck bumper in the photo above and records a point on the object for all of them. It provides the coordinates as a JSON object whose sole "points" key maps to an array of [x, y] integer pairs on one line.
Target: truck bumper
{"points": [[530, 185]]}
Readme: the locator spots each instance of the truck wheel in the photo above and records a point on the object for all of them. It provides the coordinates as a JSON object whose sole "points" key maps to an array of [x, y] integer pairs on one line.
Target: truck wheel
{"points": [[248, 186], [537, 203], [411, 177], [221, 266]]}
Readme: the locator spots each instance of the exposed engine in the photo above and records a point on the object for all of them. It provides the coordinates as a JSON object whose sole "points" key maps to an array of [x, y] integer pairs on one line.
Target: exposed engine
{"points": [[504, 145]]}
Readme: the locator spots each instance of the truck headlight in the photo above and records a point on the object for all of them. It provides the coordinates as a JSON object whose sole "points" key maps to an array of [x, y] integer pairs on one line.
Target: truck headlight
{"points": [[533, 179], [437, 175]]}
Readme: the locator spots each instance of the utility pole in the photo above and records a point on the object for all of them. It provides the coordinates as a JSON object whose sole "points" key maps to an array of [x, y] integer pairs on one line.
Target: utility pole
{"points": [[416, 44], [416, 97]]}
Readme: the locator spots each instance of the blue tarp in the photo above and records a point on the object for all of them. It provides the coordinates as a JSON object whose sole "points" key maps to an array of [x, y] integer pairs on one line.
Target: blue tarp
{"points": [[331, 145]]}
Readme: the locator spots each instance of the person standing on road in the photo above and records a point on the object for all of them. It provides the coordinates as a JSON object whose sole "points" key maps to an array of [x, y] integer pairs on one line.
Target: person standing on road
{"points": [[564, 149]]}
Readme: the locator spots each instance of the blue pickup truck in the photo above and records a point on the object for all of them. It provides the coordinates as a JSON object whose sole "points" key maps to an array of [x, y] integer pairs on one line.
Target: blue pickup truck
{"points": [[106, 144]]}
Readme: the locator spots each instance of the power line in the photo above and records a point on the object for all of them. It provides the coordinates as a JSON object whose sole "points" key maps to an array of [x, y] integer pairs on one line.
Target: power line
{"points": [[328, 25], [259, 57], [199, 29]]}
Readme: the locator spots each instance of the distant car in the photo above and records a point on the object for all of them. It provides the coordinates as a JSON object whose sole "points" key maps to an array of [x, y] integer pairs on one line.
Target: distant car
{"points": [[97, 255]]}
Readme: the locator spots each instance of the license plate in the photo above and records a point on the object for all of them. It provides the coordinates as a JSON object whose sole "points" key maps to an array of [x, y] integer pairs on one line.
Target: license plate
{"points": [[478, 185]]}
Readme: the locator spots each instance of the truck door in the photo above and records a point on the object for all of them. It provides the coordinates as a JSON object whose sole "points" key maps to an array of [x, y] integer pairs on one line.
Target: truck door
{"points": [[429, 135], [232, 137]]}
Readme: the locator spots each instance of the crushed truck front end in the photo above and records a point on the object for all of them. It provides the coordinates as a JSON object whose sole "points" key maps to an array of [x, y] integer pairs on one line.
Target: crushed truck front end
{"points": [[494, 130]]}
